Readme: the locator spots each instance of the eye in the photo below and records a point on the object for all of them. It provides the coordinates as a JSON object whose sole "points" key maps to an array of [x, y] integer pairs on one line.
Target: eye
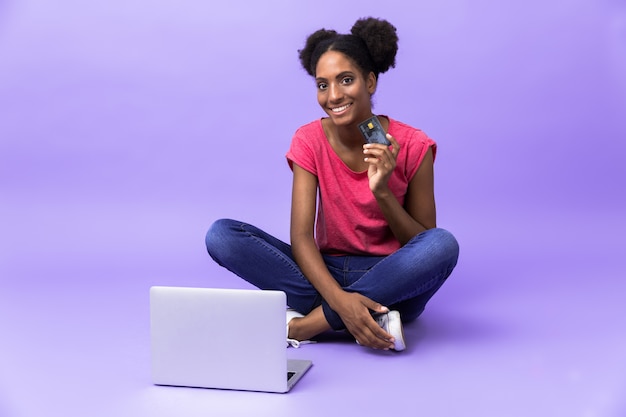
{"points": [[322, 86], [347, 80]]}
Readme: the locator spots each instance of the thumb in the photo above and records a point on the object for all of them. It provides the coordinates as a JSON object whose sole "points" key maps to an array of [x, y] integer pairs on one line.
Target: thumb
{"points": [[377, 307]]}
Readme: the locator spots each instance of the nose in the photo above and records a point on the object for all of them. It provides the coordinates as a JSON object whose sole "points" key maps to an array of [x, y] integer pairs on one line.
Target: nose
{"points": [[334, 93]]}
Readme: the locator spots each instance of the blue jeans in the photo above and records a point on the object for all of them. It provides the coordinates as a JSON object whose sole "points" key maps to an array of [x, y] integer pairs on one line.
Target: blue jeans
{"points": [[403, 281]]}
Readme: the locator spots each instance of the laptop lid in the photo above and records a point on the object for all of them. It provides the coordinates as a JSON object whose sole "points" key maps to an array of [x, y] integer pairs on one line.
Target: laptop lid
{"points": [[220, 338]]}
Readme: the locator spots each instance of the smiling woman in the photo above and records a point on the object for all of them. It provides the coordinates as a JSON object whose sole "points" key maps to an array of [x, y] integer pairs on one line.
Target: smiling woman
{"points": [[342, 91], [367, 256]]}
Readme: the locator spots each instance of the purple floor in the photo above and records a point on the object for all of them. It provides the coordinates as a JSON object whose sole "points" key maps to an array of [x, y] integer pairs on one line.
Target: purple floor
{"points": [[126, 128], [521, 329]]}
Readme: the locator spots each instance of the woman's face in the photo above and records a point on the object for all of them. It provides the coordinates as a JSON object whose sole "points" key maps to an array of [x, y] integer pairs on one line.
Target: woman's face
{"points": [[342, 91]]}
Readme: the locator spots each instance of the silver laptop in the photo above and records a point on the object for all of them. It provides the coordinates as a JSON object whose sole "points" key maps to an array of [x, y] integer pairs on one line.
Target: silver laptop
{"points": [[221, 338]]}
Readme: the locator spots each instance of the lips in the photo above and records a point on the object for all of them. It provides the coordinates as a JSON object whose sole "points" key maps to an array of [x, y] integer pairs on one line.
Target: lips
{"points": [[340, 109]]}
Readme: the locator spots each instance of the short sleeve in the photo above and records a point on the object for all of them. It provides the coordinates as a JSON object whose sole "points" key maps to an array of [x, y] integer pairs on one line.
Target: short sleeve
{"points": [[301, 151], [414, 145]]}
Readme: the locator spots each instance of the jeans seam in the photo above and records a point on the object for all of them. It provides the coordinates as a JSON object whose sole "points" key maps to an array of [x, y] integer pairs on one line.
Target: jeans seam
{"points": [[275, 252]]}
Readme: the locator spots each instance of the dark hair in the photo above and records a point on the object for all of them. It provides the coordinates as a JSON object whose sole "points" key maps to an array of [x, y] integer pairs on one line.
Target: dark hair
{"points": [[372, 44]]}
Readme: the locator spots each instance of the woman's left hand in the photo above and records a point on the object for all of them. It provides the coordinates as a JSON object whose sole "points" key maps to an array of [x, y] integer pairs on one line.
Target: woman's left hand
{"points": [[382, 162]]}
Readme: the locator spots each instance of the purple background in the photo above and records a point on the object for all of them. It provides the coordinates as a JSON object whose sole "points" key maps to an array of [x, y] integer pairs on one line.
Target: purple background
{"points": [[127, 127]]}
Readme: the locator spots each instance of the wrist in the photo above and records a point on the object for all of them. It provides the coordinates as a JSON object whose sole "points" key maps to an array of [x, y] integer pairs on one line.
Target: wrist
{"points": [[382, 193], [334, 299]]}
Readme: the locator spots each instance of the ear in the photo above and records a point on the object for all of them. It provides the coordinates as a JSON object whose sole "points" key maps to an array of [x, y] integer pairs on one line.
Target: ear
{"points": [[371, 82]]}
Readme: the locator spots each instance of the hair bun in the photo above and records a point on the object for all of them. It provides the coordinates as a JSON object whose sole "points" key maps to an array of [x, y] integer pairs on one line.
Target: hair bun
{"points": [[381, 40], [312, 41]]}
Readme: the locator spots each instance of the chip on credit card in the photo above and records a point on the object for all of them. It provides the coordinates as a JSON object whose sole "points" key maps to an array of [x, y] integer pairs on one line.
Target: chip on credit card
{"points": [[373, 131]]}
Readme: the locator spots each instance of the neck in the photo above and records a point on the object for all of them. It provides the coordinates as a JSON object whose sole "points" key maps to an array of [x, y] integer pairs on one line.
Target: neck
{"points": [[348, 136]]}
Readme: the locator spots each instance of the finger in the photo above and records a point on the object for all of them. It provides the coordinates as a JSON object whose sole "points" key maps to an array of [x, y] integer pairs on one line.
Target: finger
{"points": [[377, 154], [383, 164], [380, 333], [395, 146], [364, 328], [374, 149], [386, 153], [374, 306], [380, 146], [374, 337], [370, 334], [382, 338]]}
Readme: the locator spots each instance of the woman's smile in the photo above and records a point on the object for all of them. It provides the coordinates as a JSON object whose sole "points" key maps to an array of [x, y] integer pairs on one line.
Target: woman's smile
{"points": [[340, 109], [342, 90]]}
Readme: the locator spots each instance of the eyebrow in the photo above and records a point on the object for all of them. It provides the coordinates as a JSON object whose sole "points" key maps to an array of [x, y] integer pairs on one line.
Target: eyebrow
{"points": [[339, 76]]}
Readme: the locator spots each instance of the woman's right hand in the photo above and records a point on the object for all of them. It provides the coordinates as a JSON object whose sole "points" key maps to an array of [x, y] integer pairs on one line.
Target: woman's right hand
{"points": [[353, 308], [355, 312]]}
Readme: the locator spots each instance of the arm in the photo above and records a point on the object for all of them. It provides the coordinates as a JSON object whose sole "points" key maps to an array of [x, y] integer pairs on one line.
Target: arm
{"points": [[353, 308], [418, 213], [305, 251]]}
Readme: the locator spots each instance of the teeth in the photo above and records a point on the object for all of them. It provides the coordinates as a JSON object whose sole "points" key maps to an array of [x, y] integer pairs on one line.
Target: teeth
{"points": [[340, 109]]}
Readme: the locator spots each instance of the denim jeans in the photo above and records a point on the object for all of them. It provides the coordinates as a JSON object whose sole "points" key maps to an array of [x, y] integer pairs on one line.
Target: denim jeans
{"points": [[404, 280]]}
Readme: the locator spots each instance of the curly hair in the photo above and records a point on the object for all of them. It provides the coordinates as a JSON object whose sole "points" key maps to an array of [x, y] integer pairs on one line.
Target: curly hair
{"points": [[372, 44]]}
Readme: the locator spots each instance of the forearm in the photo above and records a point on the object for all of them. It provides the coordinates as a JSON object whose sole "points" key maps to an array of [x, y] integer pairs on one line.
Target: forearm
{"points": [[418, 213], [402, 225], [353, 308], [310, 261]]}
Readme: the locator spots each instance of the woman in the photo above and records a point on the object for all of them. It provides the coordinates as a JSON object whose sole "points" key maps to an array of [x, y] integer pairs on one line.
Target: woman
{"points": [[367, 255]]}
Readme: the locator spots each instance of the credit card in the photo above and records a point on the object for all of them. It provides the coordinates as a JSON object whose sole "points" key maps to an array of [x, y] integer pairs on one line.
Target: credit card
{"points": [[373, 131]]}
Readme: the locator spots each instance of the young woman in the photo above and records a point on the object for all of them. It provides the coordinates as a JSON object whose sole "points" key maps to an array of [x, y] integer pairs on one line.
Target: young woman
{"points": [[365, 252]]}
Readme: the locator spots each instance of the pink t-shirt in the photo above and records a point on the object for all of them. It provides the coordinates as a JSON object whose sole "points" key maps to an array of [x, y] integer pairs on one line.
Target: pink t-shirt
{"points": [[349, 221]]}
